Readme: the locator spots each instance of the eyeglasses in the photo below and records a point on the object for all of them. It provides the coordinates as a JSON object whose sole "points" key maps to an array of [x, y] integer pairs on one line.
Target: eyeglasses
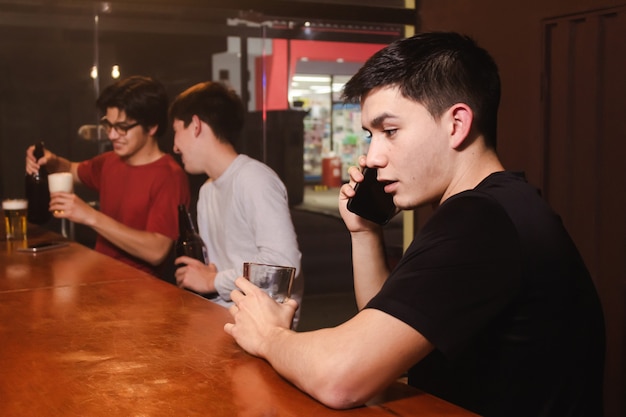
{"points": [[120, 128]]}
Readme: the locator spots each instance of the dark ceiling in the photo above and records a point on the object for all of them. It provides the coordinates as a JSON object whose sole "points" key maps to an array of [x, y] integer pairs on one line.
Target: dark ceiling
{"points": [[290, 19]]}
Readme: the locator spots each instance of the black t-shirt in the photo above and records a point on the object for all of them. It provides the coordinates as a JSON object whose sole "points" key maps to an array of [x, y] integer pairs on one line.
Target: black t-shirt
{"points": [[495, 283]]}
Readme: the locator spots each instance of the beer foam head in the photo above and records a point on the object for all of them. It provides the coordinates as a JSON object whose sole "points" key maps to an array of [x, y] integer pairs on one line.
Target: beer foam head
{"points": [[14, 204], [61, 182]]}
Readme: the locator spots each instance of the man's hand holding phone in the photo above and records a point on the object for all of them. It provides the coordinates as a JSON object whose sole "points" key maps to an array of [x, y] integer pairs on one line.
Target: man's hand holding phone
{"points": [[365, 197]]}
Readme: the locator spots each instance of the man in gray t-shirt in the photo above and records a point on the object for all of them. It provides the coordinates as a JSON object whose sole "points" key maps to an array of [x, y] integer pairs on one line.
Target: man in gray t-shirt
{"points": [[243, 210]]}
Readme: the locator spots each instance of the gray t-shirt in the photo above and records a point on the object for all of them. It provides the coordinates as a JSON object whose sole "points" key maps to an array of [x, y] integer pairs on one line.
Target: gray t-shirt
{"points": [[243, 216]]}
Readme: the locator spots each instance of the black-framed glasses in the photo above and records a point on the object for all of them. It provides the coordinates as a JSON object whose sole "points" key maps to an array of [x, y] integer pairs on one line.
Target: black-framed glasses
{"points": [[121, 128]]}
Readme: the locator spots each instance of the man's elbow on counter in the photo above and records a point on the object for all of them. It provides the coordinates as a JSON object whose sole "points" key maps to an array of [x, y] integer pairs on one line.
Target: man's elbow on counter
{"points": [[340, 395]]}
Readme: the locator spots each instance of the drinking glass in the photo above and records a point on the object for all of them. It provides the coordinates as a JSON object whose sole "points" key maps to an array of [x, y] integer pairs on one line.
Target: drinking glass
{"points": [[275, 280], [61, 182], [15, 223]]}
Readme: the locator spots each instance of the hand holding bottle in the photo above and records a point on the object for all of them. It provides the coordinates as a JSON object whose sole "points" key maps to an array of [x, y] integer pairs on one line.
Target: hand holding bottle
{"points": [[195, 275], [193, 270], [189, 242], [36, 185], [36, 160]]}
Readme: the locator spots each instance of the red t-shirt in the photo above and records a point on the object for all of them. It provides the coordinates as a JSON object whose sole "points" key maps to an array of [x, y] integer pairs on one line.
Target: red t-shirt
{"points": [[144, 197]]}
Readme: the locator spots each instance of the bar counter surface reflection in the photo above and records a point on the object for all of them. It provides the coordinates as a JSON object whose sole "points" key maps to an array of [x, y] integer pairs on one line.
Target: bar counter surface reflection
{"points": [[84, 335]]}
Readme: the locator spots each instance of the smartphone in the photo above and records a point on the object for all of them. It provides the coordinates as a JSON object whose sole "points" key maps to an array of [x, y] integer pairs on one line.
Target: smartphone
{"points": [[371, 201], [43, 246]]}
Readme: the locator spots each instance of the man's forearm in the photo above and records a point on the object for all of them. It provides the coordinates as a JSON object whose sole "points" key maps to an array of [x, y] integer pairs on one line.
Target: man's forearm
{"points": [[369, 264], [149, 246]]}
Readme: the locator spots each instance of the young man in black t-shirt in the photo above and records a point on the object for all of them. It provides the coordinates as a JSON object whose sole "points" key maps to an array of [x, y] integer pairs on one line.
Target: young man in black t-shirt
{"points": [[491, 307]]}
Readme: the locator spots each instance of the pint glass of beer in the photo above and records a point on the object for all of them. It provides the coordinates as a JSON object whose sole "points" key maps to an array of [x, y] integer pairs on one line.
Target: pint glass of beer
{"points": [[15, 222]]}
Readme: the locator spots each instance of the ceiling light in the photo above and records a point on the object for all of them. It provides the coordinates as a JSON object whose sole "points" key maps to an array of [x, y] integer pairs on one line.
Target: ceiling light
{"points": [[312, 78]]}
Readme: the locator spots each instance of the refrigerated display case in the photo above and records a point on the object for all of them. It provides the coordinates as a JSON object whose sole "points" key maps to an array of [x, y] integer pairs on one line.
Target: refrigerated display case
{"points": [[316, 138], [347, 135]]}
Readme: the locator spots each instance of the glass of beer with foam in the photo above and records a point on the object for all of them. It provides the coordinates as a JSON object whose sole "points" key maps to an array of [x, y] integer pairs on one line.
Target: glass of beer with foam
{"points": [[15, 223]]}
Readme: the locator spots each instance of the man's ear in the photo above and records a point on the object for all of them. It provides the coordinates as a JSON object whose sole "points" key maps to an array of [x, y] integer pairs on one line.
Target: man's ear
{"points": [[196, 124], [462, 118], [153, 129]]}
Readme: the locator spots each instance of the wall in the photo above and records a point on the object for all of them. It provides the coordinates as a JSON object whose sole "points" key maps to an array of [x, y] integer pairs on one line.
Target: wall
{"points": [[513, 33]]}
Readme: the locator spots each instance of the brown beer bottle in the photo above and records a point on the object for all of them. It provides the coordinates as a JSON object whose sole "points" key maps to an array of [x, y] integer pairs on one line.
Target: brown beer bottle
{"points": [[37, 192], [189, 242]]}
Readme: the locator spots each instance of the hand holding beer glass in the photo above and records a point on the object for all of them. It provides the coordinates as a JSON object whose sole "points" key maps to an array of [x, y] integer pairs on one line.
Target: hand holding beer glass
{"points": [[61, 182]]}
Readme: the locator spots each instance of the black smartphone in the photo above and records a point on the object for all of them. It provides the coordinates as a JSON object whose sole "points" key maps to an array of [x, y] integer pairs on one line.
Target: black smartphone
{"points": [[371, 201], [43, 246]]}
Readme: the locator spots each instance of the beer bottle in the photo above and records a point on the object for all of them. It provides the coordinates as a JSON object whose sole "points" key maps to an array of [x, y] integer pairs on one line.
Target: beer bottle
{"points": [[189, 242], [37, 191]]}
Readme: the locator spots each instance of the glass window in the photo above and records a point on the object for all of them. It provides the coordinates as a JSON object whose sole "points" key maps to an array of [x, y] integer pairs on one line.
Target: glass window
{"points": [[288, 56]]}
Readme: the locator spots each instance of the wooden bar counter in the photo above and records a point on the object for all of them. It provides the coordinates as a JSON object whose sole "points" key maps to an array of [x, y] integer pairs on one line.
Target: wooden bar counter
{"points": [[84, 335]]}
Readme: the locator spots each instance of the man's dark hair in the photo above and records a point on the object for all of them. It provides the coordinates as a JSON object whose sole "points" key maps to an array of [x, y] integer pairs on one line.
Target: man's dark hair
{"points": [[216, 105], [143, 99], [437, 70]]}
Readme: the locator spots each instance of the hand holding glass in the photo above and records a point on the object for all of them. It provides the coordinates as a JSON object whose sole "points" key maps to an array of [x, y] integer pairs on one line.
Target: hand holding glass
{"points": [[61, 182], [275, 280]]}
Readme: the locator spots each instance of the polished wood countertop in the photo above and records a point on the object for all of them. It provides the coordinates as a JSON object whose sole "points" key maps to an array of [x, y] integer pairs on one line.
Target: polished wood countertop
{"points": [[84, 335]]}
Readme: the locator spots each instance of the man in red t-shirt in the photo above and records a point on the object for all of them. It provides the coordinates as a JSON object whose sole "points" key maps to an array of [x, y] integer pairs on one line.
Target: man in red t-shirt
{"points": [[139, 185]]}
